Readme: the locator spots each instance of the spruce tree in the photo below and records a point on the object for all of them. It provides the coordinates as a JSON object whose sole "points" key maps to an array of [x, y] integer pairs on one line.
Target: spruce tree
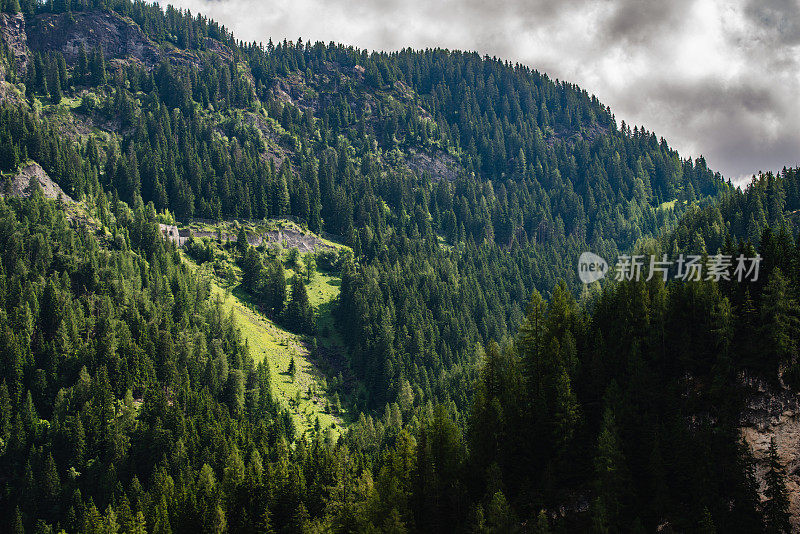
{"points": [[707, 523], [611, 479], [281, 195], [251, 268], [17, 527], [9, 158], [311, 266], [779, 319], [241, 242], [274, 288], [299, 313], [776, 505], [40, 72], [97, 67], [82, 66]]}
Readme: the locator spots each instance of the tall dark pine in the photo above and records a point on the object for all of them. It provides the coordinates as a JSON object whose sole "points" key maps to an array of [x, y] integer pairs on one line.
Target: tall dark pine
{"points": [[251, 268], [82, 67], [611, 479], [776, 506], [241, 242], [299, 313], [273, 287]]}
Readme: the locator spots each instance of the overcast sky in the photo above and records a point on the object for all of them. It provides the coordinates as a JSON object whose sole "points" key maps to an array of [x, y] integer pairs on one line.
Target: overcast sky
{"points": [[721, 79]]}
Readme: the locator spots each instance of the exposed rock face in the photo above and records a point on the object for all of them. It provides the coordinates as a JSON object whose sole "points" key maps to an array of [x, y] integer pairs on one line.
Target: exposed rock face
{"points": [[120, 37], [12, 33], [438, 164], [218, 49], [285, 237], [775, 414], [21, 185]]}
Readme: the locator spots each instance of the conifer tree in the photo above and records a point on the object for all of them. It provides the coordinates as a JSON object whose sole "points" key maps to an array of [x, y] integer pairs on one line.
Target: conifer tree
{"points": [[9, 158], [707, 523], [299, 313], [251, 268], [541, 526], [54, 85], [40, 73], [282, 204], [82, 66], [16, 522], [311, 266], [499, 516], [776, 505], [610, 478], [779, 319], [97, 67], [241, 242], [274, 287]]}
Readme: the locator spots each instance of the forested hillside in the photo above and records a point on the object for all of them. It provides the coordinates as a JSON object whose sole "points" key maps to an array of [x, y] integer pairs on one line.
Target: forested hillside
{"points": [[463, 188], [460, 182]]}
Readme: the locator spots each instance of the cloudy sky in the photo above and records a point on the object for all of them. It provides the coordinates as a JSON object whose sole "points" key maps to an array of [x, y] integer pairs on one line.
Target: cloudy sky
{"points": [[721, 79]]}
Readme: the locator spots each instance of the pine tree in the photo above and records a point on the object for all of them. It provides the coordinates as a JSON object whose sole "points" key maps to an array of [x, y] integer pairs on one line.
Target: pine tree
{"points": [[16, 522], [300, 519], [82, 66], [707, 523], [5, 413], [9, 158], [315, 207], [611, 478], [499, 516], [779, 319], [311, 266], [49, 483], [282, 204], [241, 242], [40, 72], [776, 505], [162, 524], [541, 526], [251, 268], [299, 313], [97, 67], [63, 76], [274, 287]]}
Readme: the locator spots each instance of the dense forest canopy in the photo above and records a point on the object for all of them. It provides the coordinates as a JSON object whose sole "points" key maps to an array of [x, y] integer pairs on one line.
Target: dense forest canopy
{"points": [[467, 171], [464, 188]]}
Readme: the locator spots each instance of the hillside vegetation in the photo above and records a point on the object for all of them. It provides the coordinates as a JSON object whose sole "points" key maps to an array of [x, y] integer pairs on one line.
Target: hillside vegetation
{"points": [[428, 366], [302, 386], [395, 154]]}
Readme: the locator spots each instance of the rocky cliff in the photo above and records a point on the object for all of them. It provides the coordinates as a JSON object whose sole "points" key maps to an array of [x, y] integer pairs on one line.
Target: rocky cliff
{"points": [[22, 184], [775, 413], [120, 37], [12, 33]]}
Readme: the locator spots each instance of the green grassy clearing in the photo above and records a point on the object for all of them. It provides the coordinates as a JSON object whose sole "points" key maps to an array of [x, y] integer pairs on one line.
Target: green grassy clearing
{"points": [[305, 396]]}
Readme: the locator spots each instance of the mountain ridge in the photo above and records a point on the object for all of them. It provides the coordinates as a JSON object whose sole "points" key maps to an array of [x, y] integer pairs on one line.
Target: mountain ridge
{"points": [[355, 144], [482, 387]]}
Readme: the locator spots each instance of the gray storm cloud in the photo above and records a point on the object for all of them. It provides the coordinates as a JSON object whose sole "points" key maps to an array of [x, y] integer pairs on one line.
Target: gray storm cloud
{"points": [[721, 79]]}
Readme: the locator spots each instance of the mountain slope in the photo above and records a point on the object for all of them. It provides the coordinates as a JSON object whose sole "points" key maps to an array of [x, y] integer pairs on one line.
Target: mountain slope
{"points": [[464, 187], [491, 173]]}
